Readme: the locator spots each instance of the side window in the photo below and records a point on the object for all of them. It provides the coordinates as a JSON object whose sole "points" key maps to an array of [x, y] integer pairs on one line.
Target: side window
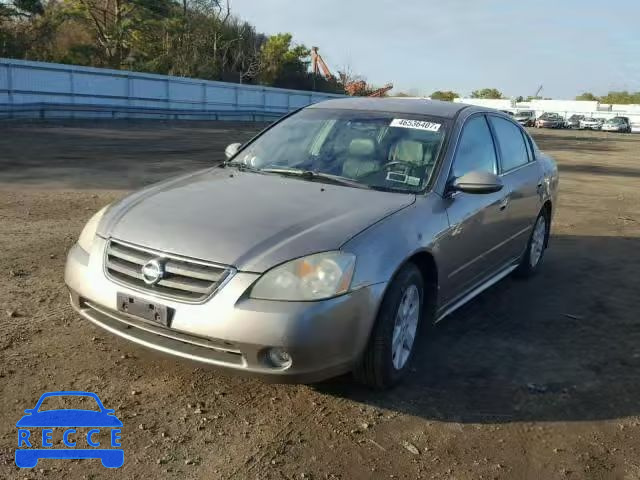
{"points": [[475, 148], [513, 151], [528, 145]]}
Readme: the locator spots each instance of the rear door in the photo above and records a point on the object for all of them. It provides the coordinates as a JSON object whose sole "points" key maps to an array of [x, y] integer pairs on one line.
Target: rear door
{"points": [[522, 176]]}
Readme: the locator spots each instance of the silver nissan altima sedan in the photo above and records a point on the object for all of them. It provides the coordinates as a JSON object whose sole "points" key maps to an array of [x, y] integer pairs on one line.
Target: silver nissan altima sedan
{"points": [[325, 243]]}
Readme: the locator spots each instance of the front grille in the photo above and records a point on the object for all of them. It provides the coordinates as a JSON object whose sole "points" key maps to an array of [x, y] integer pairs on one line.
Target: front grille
{"points": [[184, 279]]}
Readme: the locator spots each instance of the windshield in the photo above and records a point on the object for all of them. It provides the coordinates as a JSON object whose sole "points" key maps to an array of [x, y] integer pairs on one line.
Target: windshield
{"points": [[523, 114], [66, 402], [390, 151]]}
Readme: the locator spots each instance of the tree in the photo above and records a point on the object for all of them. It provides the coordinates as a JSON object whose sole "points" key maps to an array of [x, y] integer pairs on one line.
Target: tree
{"points": [[275, 52], [21, 8], [116, 23], [486, 93], [446, 95], [621, 98], [283, 64], [194, 38], [587, 96]]}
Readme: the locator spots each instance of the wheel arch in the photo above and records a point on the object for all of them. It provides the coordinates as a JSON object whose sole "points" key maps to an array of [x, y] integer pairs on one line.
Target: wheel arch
{"points": [[426, 263]]}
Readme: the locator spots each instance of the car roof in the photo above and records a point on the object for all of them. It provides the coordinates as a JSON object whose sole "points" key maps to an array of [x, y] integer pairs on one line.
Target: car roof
{"points": [[416, 106]]}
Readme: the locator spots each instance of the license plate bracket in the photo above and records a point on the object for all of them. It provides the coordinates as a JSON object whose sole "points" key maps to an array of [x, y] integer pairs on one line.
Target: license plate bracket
{"points": [[142, 308]]}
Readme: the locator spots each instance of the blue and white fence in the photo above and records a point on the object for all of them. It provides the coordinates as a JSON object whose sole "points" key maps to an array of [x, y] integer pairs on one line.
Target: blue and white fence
{"points": [[46, 90]]}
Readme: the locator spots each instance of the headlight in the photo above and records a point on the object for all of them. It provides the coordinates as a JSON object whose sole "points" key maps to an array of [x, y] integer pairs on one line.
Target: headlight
{"points": [[316, 277], [89, 231]]}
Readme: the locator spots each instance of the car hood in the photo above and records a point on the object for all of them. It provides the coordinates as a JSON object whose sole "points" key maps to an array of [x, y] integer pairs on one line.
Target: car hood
{"points": [[248, 220], [69, 418]]}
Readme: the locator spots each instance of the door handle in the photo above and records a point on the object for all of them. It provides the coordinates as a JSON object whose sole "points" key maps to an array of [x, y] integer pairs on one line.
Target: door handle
{"points": [[504, 202]]}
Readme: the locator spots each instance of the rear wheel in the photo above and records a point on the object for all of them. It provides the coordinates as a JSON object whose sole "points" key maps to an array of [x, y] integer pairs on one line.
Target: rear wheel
{"points": [[391, 345], [532, 258]]}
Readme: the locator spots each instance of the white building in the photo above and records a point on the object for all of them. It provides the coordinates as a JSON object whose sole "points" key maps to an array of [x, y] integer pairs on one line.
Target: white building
{"points": [[566, 108]]}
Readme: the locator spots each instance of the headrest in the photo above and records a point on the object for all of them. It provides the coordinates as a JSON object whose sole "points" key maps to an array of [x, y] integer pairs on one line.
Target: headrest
{"points": [[409, 151], [362, 147]]}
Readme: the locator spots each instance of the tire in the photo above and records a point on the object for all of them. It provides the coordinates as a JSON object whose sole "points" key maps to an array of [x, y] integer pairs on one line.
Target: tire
{"points": [[380, 367], [534, 254]]}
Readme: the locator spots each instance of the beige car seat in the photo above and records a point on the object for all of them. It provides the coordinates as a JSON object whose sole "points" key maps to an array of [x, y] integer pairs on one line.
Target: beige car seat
{"points": [[360, 159], [408, 151]]}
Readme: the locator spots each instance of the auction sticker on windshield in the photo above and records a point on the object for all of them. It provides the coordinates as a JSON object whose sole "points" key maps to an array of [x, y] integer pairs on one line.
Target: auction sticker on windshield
{"points": [[415, 124]]}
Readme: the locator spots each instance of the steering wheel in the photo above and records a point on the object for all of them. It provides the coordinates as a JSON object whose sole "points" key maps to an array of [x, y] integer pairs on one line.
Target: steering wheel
{"points": [[409, 166]]}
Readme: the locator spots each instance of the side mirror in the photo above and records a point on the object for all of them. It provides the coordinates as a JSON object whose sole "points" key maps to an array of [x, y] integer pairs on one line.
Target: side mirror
{"points": [[231, 150], [29, 410], [477, 182]]}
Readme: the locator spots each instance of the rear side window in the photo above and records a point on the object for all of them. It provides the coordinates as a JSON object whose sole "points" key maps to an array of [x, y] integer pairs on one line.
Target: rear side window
{"points": [[528, 145], [513, 151], [475, 149]]}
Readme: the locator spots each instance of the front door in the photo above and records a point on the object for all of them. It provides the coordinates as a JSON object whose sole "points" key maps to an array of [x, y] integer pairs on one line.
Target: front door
{"points": [[472, 248]]}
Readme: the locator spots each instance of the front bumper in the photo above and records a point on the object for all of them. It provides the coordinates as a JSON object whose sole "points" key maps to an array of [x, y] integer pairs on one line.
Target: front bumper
{"points": [[230, 330]]}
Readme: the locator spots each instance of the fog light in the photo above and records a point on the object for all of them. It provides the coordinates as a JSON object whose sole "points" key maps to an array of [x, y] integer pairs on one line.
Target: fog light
{"points": [[279, 357]]}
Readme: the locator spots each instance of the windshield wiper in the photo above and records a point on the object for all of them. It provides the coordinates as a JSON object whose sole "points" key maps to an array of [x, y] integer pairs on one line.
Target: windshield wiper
{"points": [[316, 176]]}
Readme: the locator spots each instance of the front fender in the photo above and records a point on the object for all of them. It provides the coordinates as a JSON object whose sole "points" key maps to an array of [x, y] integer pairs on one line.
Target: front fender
{"points": [[384, 247]]}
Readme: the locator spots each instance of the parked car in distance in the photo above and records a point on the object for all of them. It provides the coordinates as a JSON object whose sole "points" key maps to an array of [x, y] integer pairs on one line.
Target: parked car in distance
{"points": [[508, 112], [550, 120], [590, 123], [526, 118], [574, 121], [322, 245], [617, 124]]}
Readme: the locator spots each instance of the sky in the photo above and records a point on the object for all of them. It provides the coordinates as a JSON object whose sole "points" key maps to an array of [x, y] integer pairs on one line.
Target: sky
{"points": [[567, 46]]}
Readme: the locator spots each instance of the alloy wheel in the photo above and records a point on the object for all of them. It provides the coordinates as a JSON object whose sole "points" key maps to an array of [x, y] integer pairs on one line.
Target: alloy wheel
{"points": [[405, 327], [537, 241]]}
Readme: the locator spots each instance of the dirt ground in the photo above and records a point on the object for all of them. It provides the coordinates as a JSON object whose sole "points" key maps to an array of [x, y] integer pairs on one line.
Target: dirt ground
{"points": [[537, 379]]}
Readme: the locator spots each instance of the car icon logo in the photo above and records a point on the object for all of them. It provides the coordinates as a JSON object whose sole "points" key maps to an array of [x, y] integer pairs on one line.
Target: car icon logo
{"points": [[153, 271], [34, 445]]}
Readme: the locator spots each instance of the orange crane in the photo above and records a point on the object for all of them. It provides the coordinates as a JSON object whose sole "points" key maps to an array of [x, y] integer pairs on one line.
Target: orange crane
{"points": [[381, 91], [318, 64]]}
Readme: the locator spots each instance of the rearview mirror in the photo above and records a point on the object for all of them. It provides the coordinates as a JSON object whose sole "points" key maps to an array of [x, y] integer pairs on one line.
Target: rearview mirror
{"points": [[477, 182], [231, 150]]}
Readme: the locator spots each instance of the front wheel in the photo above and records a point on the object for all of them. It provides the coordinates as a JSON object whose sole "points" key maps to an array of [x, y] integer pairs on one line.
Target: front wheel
{"points": [[392, 341], [532, 258]]}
